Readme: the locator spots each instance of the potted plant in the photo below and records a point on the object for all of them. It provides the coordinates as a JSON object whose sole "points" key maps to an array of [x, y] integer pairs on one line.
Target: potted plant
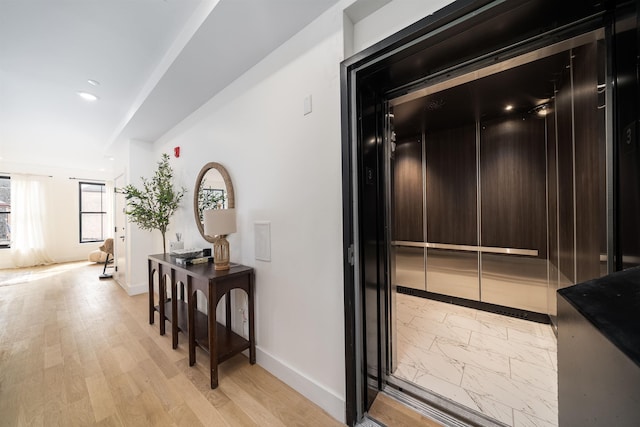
{"points": [[152, 206]]}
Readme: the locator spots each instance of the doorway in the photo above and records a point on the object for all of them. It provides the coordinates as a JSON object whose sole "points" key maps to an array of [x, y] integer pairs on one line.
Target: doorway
{"points": [[498, 183], [120, 221], [482, 172], [485, 214]]}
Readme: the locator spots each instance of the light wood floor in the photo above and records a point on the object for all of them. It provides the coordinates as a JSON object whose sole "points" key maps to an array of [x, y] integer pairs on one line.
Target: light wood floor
{"points": [[75, 350]]}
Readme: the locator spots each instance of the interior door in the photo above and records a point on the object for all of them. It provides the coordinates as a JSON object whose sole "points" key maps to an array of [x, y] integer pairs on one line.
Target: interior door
{"points": [[120, 221]]}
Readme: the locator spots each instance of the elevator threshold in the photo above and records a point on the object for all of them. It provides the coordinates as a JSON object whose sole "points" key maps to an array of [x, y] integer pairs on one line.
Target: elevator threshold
{"points": [[397, 407], [478, 305], [389, 412]]}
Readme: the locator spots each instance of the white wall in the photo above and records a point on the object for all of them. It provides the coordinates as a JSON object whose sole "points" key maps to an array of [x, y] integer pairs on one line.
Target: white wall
{"points": [[286, 169], [392, 18], [140, 162]]}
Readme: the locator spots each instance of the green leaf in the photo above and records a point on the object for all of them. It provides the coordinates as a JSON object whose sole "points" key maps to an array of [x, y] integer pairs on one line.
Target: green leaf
{"points": [[151, 207]]}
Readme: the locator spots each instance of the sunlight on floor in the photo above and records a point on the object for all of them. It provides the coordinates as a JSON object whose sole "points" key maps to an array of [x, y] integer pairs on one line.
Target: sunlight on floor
{"points": [[15, 276]]}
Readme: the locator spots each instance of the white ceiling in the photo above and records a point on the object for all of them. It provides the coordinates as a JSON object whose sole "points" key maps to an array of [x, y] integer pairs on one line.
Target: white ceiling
{"points": [[156, 60]]}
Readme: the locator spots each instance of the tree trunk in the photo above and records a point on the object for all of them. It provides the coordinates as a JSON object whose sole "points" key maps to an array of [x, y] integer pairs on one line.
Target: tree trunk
{"points": [[164, 243]]}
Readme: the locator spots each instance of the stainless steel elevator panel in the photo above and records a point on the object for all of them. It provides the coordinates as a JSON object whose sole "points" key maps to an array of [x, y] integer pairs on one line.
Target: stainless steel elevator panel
{"points": [[409, 267], [454, 273], [514, 281]]}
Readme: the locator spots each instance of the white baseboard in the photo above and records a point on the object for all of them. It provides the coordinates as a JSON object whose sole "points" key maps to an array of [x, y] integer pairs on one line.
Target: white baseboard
{"points": [[333, 404], [137, 289]]}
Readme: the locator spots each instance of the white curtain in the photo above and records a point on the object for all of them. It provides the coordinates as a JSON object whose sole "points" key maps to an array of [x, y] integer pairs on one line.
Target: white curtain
{"points": [[29, 220]]}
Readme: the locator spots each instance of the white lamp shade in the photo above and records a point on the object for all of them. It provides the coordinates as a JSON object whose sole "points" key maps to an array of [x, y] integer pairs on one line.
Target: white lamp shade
{"points": [[219, 222]]}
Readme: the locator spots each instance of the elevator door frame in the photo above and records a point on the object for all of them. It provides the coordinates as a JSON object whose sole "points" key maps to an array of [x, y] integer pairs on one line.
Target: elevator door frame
{"points": [[362, 385]]}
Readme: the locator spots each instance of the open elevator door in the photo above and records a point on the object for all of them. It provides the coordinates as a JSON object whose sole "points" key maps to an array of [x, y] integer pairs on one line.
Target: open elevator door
{"points": [[458, 33]]}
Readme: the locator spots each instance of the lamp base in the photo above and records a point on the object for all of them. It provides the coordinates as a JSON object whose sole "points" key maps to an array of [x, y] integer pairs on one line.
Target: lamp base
{"points": [[220, 267], [221, 253]]}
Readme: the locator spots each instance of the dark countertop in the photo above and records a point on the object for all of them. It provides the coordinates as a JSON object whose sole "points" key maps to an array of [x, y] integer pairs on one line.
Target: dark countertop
{"points": [[611, 304]]}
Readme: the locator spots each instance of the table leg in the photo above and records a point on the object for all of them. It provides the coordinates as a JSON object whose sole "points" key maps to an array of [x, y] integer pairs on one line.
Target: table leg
{"points": [[161, 299], [174, 312], [151, 310], [213, 350], [191, 317], [252, 337]]}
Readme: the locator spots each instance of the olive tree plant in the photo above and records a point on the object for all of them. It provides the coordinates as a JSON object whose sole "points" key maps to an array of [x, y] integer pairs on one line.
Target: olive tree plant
{"points": [[152, 206]]}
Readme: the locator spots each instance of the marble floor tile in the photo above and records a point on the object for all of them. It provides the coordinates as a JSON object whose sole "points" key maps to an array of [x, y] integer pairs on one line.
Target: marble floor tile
{"points": [[547, 331], [444, 330], [553, 355], [534, 341], [510, 322], [492, 408], [470, 355], [404, 315], [520, 419], [409, 300], [406, 372], [518, 395], [512, 350], [503, 367], [542, 378], [424, 312], [446, 389], [432, 363], [475, 325], [449, 309], [408, 336]]}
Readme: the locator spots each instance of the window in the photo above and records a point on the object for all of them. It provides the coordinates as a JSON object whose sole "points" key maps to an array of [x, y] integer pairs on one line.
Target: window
{"points": [[93, 215], [5, 211]]}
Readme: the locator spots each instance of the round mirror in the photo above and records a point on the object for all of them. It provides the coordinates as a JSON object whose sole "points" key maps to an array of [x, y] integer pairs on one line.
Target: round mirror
{"points": [[213, 190]]}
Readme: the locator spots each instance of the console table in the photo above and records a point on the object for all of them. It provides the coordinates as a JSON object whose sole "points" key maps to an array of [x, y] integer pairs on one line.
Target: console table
{"points": [[218, 340]]}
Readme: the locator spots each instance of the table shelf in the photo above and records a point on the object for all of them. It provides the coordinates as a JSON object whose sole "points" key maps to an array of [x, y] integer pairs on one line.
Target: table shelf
{"points": [[183, 310], [228, 342]]}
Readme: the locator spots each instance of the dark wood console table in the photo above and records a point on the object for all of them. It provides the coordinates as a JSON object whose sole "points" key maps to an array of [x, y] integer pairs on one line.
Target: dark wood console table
{"points": [[203, 330]]}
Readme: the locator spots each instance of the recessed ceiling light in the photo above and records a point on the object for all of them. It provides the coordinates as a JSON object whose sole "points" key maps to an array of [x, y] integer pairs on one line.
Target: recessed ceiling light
{"points": [[93, 82], [88, 96], [508, 107]]}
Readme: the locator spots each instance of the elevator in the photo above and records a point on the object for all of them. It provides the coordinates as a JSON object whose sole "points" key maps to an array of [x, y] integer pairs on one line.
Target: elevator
{"points": [[498, 181], [490, 158]]}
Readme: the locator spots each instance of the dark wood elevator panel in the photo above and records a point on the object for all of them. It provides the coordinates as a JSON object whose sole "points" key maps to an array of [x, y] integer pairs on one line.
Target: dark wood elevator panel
{"points": [[513, 184], [552, 212], [407, 191], [451, 186], [589, 176], [564, 124]]}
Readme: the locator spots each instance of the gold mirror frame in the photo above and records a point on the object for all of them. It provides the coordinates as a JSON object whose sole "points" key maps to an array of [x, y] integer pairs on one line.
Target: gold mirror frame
{"points": [[230, 194]]}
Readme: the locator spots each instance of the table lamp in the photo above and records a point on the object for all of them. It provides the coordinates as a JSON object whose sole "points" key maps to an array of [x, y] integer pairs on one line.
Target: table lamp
{"points": [[217, 224]]}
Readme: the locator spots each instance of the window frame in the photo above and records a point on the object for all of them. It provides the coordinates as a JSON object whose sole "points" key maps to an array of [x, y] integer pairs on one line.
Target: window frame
{"points": [[102, 212], [7, 213]]}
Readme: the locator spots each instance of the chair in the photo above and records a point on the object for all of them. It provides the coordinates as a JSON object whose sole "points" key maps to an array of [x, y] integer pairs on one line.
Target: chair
{"points": [[107, 247]]}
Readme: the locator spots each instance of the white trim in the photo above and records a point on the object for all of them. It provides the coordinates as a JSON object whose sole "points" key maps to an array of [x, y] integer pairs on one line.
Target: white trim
{"points": [[326, 399], [136, 289]]}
